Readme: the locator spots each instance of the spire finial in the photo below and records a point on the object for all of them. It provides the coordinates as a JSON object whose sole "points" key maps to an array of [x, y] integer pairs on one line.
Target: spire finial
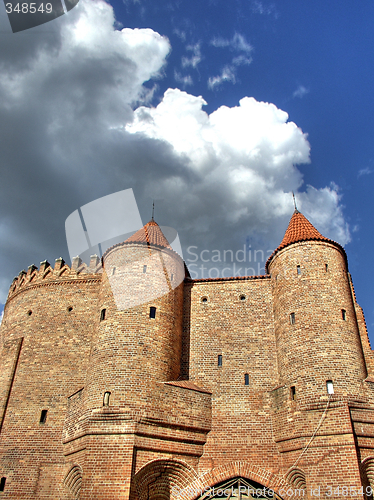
{"points": [[153, 210], [294, 201]]}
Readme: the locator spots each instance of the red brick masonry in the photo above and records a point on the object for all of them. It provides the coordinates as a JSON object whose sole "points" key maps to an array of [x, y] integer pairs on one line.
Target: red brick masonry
{"points": [[230, 379]]}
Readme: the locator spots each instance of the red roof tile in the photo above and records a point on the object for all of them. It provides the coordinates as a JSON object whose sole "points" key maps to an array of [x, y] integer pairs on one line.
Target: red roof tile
{"points": [[150, 234], [300, 229]]}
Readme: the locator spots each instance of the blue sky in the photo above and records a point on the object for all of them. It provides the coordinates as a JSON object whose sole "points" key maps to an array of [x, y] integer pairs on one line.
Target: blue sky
{"points": [[88, 116]]}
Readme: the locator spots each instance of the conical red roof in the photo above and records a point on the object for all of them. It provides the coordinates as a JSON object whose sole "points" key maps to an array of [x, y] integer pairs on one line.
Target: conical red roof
{"points": [[300, 229], [150, 234]]}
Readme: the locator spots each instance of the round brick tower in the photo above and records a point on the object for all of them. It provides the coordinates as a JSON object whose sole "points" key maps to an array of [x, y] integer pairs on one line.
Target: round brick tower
{"points": [[139, 331], [315, 323]]}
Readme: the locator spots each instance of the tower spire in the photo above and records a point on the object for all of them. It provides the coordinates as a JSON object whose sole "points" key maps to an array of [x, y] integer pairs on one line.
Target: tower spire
{"points": [[294, 201], [153, 210]]}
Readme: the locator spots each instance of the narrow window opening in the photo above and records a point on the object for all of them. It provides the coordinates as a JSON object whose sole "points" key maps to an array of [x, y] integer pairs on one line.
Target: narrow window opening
{"points": [[344, 314], [246, 379], [298, 270], [106, 399], [144, 269], [102, 314], [172, 277], [2, 483], [29, 313], [43, 416], [329, 387], [152, 312], [326, 267], [292, 318], [70, 309], [113, 271], [219, 362], [293, 393], [242, 297]]}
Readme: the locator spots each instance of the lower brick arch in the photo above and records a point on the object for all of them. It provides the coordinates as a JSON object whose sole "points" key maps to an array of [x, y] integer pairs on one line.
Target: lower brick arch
{"points": [[161, 479], [73, 482], [176, 480], [207, 481]]}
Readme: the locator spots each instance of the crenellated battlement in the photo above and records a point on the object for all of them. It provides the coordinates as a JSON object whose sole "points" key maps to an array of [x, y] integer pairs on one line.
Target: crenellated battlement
{"points": [[60, 273]]}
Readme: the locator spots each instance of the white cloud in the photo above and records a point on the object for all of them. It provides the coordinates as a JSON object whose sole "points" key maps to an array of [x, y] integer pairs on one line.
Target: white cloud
{"points": [[228, 74], [258, 7], [70, 96], [195, 58], [300, 92], [181, 34], [239, 167], [65, 89], [184, 80], [238, 43], [241, 60], [324, 208], [365, 171]]}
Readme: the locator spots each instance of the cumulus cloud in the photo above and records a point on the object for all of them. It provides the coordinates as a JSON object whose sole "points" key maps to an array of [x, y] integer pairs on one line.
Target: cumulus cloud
{"points": [[69, 135], [330, 219], [239, 170], [300, 92], [62, 90]]}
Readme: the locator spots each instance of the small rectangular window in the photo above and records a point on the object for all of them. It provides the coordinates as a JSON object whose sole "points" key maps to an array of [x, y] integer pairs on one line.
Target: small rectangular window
{"points": [[2, 483], [152, 312], [43, 416], [292, 393], [326, 267], [144, 269], [329, 387], [292, 318], [172, 277], [246, 379], [219, 362], [344, 314], [298, 270]]}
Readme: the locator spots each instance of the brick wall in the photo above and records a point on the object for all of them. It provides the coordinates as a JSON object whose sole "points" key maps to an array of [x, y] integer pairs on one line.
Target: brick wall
{"points": [[199, 393], [52, 364]]}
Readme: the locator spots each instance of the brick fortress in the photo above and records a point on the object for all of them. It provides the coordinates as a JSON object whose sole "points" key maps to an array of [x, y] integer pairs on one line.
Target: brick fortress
{"points": [[258, 381]]}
